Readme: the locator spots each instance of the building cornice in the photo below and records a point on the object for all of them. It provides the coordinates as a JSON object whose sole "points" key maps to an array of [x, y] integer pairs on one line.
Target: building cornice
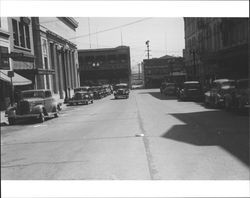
{"points": [[4, 34]]}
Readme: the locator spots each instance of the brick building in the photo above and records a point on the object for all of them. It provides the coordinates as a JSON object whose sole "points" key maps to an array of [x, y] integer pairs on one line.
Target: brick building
{"points": [[106, 65], [216, 48], [166, 68]]}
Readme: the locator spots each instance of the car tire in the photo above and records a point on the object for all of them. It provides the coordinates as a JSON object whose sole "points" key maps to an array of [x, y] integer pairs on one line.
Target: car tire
{"points": [[12, 121], [41, 118]]}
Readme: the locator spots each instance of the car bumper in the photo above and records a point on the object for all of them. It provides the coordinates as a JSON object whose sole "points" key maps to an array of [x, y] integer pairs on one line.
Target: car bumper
{"points": [[26, 116], [121, 96]]}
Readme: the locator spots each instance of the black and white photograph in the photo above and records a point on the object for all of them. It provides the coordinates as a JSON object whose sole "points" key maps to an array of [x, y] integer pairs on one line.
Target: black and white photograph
{"points": [[124, 98]]}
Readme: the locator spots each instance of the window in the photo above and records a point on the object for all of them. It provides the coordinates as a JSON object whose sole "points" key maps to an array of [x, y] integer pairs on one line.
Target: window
{"points": [[15, 32], [47, 94], [21, 34], [27, 33]]}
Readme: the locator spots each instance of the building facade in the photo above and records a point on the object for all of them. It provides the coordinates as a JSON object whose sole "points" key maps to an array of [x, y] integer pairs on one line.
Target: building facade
{"points": [[4, 63], [56, 61], [166, 68], [105, 66], [216, 48], [16, 53]]}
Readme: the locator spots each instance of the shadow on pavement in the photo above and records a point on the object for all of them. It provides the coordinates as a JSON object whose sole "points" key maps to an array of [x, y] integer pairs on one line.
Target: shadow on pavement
{"points": [[160, 96], [214, 128]]}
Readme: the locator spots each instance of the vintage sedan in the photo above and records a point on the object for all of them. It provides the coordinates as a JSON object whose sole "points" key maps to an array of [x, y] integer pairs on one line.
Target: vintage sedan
{"points": [[37, 104], [80, 98], [215, 97], [191, 91], [170, 89], [121, 91], [85, 89], [239, 97]]}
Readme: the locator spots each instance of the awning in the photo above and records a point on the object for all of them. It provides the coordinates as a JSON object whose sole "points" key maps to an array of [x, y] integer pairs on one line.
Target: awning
{"points": [[17, 79]]}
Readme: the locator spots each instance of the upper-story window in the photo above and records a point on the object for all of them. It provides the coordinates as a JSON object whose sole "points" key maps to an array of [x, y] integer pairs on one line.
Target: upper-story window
{"points": [[21, 34]]}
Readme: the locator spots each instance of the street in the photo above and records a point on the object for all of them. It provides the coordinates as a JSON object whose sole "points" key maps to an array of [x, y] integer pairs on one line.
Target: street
{"points": [[148, 136]]}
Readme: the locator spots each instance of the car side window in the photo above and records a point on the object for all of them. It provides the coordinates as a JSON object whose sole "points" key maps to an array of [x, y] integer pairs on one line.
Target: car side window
{"points": [[47, 94]]}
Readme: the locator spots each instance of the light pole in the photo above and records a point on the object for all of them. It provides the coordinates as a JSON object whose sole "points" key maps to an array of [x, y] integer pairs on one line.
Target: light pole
{"points": [[147, 43]]}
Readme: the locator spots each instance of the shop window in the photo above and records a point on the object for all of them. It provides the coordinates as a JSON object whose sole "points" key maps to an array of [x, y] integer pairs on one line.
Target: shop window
{"points": [[4, 61]]}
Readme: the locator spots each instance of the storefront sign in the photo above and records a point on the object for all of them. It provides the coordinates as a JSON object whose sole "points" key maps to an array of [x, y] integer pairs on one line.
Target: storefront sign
{"points": [[45, 71]]}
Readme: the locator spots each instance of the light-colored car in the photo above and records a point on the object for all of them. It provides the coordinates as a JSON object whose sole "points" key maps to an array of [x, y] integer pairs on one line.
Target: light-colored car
{"points": [[37, 104], [121, 91]]}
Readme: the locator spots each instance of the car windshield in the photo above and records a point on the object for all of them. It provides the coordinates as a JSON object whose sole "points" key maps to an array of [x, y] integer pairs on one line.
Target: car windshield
{"points": [[33, 94], [121, 87], [81, 89], [228, 84], [171, 85], [192, 86]]}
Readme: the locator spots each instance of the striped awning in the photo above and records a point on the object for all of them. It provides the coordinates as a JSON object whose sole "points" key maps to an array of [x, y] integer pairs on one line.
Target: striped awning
{"points": [[17, 80]]}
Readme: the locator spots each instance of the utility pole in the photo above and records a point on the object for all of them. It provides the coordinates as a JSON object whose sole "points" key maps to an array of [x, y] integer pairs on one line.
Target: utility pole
{"points": [[139, 71], [147, 43], [89, 33]]}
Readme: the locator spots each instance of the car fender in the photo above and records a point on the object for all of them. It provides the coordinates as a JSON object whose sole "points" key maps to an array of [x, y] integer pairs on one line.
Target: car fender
{"points": [[11, 112], [37, 109]]}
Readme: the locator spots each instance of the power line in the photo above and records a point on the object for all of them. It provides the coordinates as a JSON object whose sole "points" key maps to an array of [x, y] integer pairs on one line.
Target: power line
{"points": [[109, 29]]}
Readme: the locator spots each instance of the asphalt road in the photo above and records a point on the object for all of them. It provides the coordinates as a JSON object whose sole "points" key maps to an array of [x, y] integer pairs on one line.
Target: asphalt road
{"points": [[147, 136]]}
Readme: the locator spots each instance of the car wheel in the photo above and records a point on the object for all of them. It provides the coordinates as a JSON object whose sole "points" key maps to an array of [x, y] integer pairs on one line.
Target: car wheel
{"points": [[41, 118], [12, 121]]}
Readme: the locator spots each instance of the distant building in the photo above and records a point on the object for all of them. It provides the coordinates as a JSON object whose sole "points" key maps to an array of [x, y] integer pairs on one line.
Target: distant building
{"points": [[56, 58], [216, 48], [106, 65], [166, 68]]}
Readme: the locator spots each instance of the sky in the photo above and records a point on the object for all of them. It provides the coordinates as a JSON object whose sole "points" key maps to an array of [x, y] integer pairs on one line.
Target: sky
{"points": [[165, 35]]}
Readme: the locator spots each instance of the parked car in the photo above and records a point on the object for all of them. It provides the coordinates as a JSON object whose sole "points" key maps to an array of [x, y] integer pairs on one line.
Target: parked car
{"points": [[191, 91], [121, 91], [215, 97], [96, 92], [162, 87], [239, 97], [85, 89], [37, 104], [81, 98], [170, 89]]}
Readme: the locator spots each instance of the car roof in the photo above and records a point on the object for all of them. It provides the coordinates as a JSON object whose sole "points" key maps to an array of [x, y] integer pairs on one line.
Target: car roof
{"points": [[192, 82], [36, 90], [223, 80], [121, 84]]}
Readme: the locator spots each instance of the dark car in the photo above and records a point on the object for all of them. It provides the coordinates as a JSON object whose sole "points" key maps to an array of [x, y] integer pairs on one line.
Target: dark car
{"points": [[121, 91], [33, 104], [162, 87], [97, 94], [85, 89], [215, 97], [170, 89], [191, 91], [80, 98], [239, 97]]}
